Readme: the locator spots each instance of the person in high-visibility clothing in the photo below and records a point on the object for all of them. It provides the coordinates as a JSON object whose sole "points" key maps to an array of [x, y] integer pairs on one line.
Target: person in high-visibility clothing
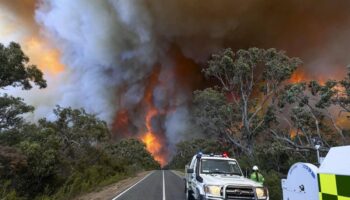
{"points": [[256, 176]]}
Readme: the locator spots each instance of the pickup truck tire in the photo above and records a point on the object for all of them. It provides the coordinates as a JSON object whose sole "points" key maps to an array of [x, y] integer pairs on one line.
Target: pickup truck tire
{"points": [[200, 197], [189, 194]]}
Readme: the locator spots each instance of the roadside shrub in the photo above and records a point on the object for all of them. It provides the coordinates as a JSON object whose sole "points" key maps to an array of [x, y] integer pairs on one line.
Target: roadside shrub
{"points": [[273, 182]]}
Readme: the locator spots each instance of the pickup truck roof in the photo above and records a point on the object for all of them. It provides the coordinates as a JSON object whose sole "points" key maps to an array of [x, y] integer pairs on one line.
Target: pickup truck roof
{"points": [[216, 157], [212, 156], [209, 156]]}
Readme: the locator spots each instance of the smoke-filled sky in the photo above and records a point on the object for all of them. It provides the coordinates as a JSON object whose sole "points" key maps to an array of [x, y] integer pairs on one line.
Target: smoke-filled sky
{"points": [[104, 55]]}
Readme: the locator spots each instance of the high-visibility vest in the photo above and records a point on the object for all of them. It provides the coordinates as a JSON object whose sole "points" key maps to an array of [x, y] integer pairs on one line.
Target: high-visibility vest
{"points": [[256, 176]]}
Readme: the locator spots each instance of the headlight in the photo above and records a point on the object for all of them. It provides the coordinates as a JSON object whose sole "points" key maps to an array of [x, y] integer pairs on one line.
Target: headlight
{"points": [[261, 193], [214, 190]]}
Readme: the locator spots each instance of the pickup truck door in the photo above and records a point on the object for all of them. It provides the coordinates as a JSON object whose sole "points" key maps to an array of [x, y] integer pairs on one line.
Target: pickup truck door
{"points": [[192, 178]]}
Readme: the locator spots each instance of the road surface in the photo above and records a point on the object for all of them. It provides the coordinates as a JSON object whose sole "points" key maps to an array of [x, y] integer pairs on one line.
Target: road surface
{"points": [[158, 185]]}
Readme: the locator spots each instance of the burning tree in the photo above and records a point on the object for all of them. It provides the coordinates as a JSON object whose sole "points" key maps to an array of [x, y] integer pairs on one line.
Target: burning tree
{"points": [[304, 124], [317, 114], [333, 93], [249, 81]]}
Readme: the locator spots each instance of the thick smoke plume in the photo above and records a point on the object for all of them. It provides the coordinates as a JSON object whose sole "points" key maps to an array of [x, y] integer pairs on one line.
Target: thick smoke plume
{"points": [[126, 57]]}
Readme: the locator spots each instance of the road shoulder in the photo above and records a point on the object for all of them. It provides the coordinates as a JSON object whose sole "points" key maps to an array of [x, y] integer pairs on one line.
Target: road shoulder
{"points": [[109, 192], [180, 174]]}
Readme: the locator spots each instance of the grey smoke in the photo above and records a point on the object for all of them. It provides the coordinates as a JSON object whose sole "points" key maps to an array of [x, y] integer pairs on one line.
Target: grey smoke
{"points": [[101, 49], [176, 126]]}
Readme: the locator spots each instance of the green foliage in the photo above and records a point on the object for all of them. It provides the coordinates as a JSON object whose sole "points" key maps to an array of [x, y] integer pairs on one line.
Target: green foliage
{"points": [[75, 126], [11, 109], [235, 69], [41, 170], [14, 70], [134, 153], [273, 156], [273, 182], [88, 179], [63, 158], [116, 162], [6, 193]]}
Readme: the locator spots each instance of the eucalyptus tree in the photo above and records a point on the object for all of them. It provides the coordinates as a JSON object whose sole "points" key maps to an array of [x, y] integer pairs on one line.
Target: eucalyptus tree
{"points": [[248, 83]]}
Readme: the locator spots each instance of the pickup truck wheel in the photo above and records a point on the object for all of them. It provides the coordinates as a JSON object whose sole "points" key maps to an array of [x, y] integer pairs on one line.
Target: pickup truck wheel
{"points": [[200, 197], [189, 194]]}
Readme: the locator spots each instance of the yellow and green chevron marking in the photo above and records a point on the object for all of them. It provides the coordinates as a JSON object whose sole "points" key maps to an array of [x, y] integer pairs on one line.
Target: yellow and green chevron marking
{"points": [[334, 187]]}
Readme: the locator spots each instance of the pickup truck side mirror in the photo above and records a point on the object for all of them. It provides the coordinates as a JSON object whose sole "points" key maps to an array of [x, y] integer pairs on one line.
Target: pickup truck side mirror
{"points": [[190, 171]]}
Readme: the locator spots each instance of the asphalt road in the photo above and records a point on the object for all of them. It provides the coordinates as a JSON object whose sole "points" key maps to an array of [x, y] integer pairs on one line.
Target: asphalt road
{"points": [[158, 185]]}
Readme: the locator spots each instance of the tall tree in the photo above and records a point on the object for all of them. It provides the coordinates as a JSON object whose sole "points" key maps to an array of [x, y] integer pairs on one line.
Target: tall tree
{"points": [[251, 79]]}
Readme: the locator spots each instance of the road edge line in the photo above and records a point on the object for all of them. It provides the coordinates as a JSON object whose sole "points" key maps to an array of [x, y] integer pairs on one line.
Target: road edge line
{"points": [[119, 195], [163, 186]]}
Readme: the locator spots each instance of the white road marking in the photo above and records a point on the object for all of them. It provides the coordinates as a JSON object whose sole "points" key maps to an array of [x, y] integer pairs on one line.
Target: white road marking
{"points": [[121, 194], [163, 186]]}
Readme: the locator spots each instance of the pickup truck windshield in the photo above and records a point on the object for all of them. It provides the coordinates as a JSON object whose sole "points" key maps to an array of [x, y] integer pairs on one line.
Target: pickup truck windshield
{"points": [[213, 166]]}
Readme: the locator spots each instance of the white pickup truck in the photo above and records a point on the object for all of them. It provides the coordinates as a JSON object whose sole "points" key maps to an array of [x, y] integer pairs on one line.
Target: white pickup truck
{"points": [[214, 177]]}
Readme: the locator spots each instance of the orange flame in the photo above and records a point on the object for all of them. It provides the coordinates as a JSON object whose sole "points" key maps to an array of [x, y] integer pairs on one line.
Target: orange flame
{"points": [[304, 76], [298, 76], [293, 133], [343, 122], [153, 143], [47, 58]]}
